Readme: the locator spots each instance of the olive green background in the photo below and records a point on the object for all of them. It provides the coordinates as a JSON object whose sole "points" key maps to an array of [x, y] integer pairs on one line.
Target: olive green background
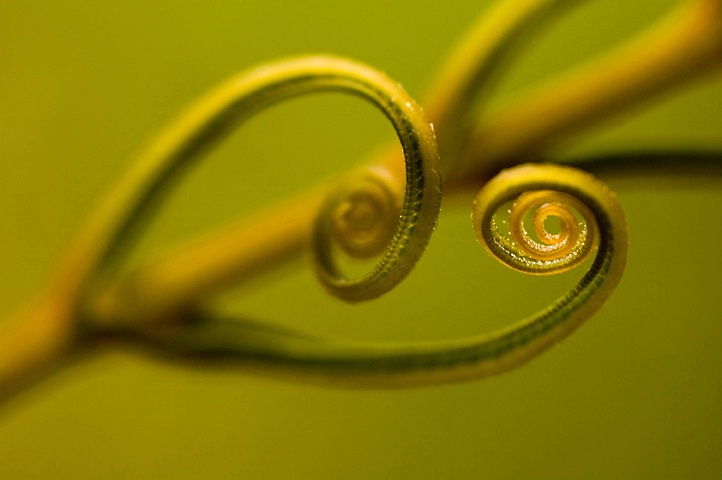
{"points": [[635, 393]]}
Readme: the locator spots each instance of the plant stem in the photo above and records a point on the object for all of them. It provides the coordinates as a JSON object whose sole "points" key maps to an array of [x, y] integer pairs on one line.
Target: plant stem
{"points": [[683, 47]]}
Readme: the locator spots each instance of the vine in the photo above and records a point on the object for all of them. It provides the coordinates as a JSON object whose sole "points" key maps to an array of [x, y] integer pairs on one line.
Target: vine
{"points": [[385, 211]]}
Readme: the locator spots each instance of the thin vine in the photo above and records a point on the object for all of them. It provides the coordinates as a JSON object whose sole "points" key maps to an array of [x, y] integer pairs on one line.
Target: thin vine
{"points": [[385, 211]]}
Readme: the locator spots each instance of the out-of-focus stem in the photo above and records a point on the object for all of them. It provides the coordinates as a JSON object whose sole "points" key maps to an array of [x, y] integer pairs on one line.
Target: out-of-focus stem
{"points": [[182, 275], [476, 64], [683, 47], [36, 340]]}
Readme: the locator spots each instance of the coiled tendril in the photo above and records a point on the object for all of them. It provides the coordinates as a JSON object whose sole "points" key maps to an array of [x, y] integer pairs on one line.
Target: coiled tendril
{"points": [[541, 252], [578, 201], [362, 217], [354, 215], [117, 222], [387, 364]]}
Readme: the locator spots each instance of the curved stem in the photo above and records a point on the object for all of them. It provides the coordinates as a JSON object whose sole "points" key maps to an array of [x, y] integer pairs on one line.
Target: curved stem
{"points": [[112, 229], [300, 356], [44, 333]]}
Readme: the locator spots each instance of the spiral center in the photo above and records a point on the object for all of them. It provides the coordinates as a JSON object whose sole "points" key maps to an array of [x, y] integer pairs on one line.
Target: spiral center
{"points": [[551, 225], [359, 215], [364, 221]]}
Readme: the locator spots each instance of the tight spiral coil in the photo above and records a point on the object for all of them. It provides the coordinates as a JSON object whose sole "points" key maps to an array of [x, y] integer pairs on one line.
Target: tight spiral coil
{"points": [[537, 250]]}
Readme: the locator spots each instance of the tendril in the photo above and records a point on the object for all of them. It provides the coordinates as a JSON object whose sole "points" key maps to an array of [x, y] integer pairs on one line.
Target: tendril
{"points": [[362, 216], [115, 226], [549, 252], [299, 355], [562, 196]]}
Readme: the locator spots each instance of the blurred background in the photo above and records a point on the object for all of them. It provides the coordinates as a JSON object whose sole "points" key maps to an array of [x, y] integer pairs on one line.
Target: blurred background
{"points": [[635, 393]]}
